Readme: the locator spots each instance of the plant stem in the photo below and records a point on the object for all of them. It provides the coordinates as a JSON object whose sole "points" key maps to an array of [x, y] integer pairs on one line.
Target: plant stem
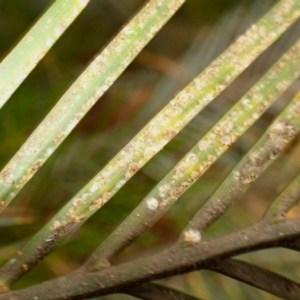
{"points": [[289, 197], [175, 260], [261, 278], [198, 160], [294, 245], [35, 44]]}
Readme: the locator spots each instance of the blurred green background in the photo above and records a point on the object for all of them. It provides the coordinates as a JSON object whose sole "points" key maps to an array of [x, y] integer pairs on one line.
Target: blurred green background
{"points": [[198, 33]]}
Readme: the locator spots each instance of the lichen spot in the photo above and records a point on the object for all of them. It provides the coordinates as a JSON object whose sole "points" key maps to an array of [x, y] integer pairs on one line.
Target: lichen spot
{"points": [[152, 203], [191, 237]]}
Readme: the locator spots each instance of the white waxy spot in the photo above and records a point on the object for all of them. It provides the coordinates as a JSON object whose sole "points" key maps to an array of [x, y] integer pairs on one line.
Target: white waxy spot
{"points": [[273, 34], [204, 145], [49, 42], [208, 97], [85, 195], [49, 151], [83, 3], [226, 140], [118, 49], [71, 125], [128, 30], [278, 128], [58, 31], [192, 236], [191, 158], [183, 98], [150, 152], [161, 194], [162, 190], [245, 101], [120, 183], [75, 12], [94, 187], [152, 203], [236, 175]]}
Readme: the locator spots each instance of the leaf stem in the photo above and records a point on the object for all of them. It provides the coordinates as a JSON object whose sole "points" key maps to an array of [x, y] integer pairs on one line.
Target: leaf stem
{"points": [[16, 66], [156, 292]]}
